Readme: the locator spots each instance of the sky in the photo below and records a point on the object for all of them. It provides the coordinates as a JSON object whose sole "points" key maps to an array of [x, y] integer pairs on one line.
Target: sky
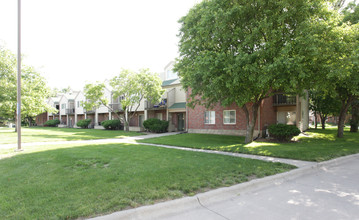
{"points": [[73, 42]]}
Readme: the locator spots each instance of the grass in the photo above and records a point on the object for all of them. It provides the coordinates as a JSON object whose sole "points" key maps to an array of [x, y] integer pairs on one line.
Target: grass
{"points": [[318, 145], [46, 134], [78, 181]]}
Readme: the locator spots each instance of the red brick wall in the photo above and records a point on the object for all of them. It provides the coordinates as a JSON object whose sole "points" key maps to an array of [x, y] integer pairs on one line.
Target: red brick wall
{"points": [[268, 113], [102, 117], [152, 114], [80, 117], [196, 117], [41, 119], [92, 117], [114, 116], [63, 119], [134, 119]]}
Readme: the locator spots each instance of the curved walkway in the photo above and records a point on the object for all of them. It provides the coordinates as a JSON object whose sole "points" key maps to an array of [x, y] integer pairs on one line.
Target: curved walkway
{"points": [[326, 190], [132, 140]]}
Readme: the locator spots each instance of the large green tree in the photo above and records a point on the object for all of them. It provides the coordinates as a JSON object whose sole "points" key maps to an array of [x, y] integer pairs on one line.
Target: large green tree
{"points": [[324, 105], [243, 51], [351, 15], [135, 87], [33, 89], [345, 74]]}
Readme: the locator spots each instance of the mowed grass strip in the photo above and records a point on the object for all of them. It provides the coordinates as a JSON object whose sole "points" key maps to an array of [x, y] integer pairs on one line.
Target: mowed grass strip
{"points": [[89, 180], [315, 145], [46, 134]]}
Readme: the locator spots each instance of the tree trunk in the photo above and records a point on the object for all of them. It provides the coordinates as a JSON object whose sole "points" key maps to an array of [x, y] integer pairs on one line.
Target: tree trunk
{"points": [[354, 123], [127, 121], [322, 119], [250, 121], [342, 115], [315, 120]]}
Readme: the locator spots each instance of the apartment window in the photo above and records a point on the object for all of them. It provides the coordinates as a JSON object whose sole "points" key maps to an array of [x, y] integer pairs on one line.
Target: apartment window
{"points": [[229, 116], [210, 117], [78, 104], [63, 106]]}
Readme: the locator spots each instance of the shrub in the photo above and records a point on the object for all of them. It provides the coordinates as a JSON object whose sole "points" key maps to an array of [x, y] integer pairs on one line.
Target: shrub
{"points": [[155, 125], [84, 123], [283, 132], [52, 123], [112, 125]]}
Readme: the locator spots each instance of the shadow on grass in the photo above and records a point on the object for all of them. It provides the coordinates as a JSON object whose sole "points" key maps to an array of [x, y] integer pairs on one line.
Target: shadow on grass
{"points": [[316, 145], [87, 180], [46, 134]]}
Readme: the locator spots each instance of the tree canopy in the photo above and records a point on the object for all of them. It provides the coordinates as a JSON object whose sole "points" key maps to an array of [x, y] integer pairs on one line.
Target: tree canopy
{"points": [[132, 87], [135, 87], [243, 51], [33, 89], [351, 13], [324, 105]]}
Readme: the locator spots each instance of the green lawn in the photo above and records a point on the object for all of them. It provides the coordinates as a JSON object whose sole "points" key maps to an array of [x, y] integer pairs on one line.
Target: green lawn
{"points": [[318, 145], [46, 134], [75, 181]]}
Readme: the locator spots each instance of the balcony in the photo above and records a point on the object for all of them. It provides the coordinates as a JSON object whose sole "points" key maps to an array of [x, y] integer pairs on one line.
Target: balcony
{"points": [[282, 100], [157, 106], [70, 111], [90, 111], [116, 107]]}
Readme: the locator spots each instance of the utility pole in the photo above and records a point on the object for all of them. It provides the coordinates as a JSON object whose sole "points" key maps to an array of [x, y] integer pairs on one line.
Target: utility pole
{"points": [[18, 106]]}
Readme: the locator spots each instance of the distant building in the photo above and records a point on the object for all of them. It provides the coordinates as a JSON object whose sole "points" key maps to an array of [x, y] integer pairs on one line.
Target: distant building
{"points": [[280, 108]]}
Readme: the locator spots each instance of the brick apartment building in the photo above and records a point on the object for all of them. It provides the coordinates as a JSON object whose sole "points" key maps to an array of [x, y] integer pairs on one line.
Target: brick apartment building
{"points": [[172, 107], [293, 110]]}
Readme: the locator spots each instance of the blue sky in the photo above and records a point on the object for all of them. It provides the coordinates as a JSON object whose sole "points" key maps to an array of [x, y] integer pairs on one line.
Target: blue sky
{"points": [[71, 42]]}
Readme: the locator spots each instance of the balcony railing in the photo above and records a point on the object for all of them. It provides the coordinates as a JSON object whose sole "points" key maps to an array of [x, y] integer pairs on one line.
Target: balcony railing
{"points": [[151, 106], [70, 111], [281, 99], [116, 107], [90, 111]]}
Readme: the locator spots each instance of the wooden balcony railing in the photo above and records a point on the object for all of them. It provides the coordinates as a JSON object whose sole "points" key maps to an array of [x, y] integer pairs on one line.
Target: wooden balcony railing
{"points": [[70, 111], [116, 107], [161, 105], [282, 99]]}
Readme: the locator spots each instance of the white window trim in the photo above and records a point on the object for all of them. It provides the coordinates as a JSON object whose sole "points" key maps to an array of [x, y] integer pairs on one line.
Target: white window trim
{"points": [[159, 114], [235, 119], [214, 118]]}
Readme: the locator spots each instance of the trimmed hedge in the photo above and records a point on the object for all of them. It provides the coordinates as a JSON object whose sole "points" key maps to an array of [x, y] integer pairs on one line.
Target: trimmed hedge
{"points": [[283, 132], [112, 125], [155, 125], [52, 123], [84, 123]]}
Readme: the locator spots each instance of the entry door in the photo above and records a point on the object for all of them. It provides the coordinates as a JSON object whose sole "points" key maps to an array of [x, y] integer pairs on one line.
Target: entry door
{"points": [[180, 119], [140, 120], [69, 123]]}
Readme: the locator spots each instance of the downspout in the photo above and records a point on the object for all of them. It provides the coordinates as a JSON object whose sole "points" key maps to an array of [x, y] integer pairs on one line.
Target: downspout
{"points": [[259, 121], [186, 115]]}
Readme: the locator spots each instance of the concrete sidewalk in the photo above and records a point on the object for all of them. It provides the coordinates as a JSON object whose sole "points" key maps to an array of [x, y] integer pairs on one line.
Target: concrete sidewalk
{"points": [[113, 140], [327, 190], [297, 163], [132, 140]]}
